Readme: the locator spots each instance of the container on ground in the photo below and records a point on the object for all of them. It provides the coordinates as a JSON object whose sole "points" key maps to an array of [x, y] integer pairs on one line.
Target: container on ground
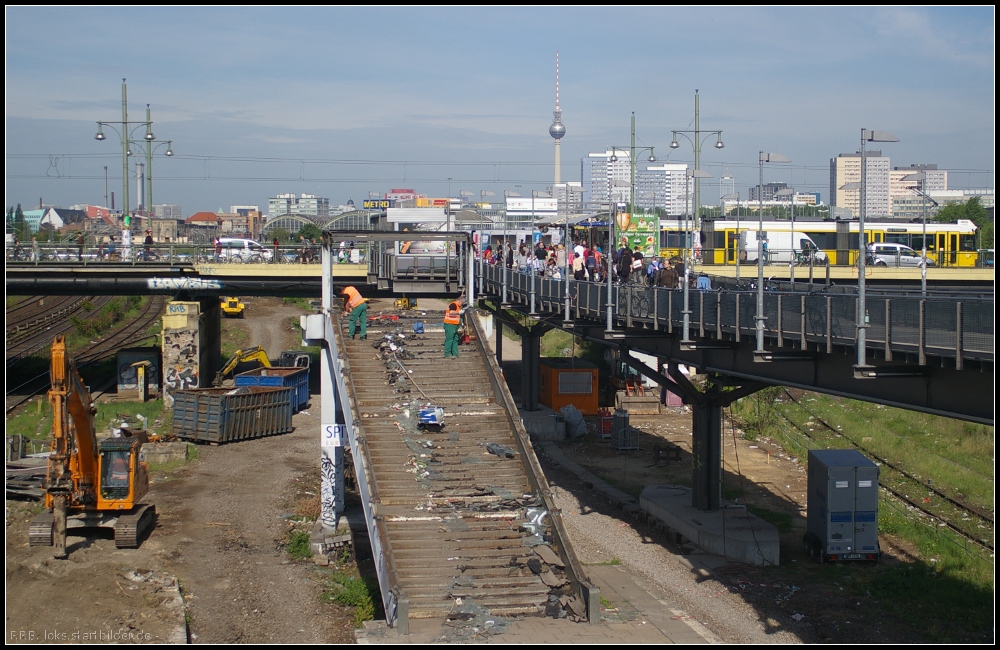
{"points": [[295, 379], [230, 414]]}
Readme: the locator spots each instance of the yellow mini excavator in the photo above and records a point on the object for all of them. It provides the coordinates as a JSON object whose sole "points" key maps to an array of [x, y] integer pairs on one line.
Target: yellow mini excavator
{"points": [[88, 483]]}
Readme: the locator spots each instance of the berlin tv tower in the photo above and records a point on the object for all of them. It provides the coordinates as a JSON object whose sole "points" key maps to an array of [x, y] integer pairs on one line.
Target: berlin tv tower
{"points": [[557, 130]]}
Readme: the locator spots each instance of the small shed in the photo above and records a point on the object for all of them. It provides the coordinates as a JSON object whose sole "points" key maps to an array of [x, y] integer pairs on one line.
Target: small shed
{"points": [[138, 372], [568, 381]]}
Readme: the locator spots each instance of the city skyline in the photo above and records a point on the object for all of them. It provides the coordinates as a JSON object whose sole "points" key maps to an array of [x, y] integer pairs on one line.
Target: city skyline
{"points": [[343, 102]]}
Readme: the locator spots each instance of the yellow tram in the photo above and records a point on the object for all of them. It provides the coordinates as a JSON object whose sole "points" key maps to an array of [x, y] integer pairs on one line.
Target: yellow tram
{"points": [[949, 244]]}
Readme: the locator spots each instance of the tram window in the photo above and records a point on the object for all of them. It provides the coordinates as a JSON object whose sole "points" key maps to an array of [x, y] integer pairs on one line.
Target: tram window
{"points": [[968, 242], [898, 238], [825, 240]]}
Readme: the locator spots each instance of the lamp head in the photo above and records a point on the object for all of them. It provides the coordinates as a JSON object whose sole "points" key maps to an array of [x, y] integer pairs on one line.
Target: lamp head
{"points": [[651, 158], [170, 149], [673, 141], [719, 144], [100, 132]]}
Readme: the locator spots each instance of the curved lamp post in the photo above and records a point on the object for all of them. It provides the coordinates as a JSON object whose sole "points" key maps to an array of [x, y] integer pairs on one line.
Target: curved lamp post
{"points": [[731, 197], [697, 141], [922, 177], [862, 370], [764, 157], [790, 194], [127, 129], [686, 342]]}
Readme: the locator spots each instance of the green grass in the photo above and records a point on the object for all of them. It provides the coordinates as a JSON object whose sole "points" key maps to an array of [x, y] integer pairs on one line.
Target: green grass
{"points": [[350, 589], [612, 562], [946, 592], [298, 545], [779, 520]]}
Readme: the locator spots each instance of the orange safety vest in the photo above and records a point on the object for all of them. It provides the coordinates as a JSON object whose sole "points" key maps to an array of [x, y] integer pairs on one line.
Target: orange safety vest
{"points": [[353, 297], [452, 314]]}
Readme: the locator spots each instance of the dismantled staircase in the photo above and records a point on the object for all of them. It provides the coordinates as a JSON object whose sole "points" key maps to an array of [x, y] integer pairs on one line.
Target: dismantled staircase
{"points": [[462, 505]]}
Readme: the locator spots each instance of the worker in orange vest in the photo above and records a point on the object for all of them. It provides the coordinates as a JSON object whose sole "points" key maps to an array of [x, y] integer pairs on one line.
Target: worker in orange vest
{"points": [[358, 308], [452, 319]]}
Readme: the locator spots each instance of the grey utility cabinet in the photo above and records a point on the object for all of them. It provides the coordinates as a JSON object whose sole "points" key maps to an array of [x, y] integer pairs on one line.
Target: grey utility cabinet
{"points": [[842, 521]]}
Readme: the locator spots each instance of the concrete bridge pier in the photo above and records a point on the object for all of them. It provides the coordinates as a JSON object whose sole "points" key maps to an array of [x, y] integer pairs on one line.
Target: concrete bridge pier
{"points": [[210, 328], [531, 345]]}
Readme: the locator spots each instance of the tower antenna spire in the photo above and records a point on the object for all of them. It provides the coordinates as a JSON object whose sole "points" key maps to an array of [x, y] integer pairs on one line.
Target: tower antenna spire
{"points": [[557, 130]]}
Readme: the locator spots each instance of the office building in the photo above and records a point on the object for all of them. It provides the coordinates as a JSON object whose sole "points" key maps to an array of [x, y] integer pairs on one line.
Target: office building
{"points": [[846, 168], [307, 204]]}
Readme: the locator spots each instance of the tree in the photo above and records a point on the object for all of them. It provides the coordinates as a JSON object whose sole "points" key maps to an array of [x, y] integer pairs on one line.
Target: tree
{"points": [[974, 211], [309, 231]]}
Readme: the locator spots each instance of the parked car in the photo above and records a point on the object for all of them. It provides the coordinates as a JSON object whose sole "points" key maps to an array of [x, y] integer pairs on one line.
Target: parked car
{"points": [[886, 254]]}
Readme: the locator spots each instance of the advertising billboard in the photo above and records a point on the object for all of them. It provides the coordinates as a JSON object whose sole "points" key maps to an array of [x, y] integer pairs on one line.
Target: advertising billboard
{"points": [[640, 231]]}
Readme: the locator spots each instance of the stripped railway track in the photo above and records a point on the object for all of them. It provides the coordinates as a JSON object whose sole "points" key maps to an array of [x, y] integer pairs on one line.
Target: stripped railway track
{"points": [[956, 514], [462, 506], [32, 323], [132, 333]]}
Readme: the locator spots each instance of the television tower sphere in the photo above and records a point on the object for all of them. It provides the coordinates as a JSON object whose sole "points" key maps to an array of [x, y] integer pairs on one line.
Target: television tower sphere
{"points": [[557, 130]]}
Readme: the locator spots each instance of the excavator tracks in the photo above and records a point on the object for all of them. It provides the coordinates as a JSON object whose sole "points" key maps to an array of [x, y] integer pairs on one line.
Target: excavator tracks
{"points": [[131, 528], [462, 520], [40, 530]]}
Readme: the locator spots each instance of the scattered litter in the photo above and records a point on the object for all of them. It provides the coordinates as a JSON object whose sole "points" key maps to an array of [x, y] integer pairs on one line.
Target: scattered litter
{"points": [[500, 450], [798, 617]]}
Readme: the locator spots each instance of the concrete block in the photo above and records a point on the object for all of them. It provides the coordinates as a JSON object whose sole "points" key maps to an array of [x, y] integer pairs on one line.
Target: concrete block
{"points": [[162, 452], [731, 532]]}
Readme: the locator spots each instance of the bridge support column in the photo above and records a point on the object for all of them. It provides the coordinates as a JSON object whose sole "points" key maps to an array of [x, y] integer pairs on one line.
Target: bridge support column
{"points": [[210, 340], [706, 450], [531, 344]]}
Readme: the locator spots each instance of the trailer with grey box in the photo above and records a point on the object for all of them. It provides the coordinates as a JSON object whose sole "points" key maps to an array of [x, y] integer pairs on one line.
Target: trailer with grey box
{"points": [[842, 520]]}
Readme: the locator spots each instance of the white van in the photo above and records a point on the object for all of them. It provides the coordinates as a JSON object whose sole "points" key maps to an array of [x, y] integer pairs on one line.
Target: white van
{"points": [[780, 249], [237, 250]]}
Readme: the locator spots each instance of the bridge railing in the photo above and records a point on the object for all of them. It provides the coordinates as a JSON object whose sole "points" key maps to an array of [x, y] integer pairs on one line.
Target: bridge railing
{"points": [[901, 327]]}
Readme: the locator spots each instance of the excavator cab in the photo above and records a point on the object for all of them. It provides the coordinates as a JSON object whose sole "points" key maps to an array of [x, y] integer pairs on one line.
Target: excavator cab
{"points": [[124, 478]]}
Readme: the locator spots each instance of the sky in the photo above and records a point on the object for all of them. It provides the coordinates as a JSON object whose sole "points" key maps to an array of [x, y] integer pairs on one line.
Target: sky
{"points": [[346, 102]]}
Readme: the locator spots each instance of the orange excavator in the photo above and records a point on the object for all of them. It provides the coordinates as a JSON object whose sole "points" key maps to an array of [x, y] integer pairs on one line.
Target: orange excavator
{"points": [[88, 483]]}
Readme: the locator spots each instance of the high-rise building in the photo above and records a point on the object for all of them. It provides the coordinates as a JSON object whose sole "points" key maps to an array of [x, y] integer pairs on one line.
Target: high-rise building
{"points": [[663, 186], [846, 168], [606, 177], [308, 204], [770, 189]]}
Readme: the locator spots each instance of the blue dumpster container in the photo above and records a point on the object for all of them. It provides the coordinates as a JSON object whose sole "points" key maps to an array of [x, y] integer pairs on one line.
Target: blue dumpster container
{"points": [[296, 379]]}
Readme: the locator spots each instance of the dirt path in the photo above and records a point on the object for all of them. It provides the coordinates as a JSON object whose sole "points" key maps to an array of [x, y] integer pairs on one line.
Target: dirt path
{"points": [[223, 521]]}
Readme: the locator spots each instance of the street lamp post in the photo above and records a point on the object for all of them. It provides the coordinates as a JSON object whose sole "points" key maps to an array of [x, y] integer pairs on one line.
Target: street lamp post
{"points": [[125, 135], [924, 198], [503, 249], [730, 197], [690, 174], [863, 370], [791, 206], [760, 318], [697, 141]]}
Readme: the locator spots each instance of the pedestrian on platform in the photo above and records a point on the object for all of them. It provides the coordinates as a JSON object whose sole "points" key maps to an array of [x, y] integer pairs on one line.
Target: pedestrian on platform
{"points": [[452, 320], [357, 307]]}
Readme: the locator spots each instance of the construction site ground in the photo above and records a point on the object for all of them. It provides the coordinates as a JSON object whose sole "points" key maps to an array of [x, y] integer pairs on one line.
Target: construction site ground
{"points": [[215, 569]]}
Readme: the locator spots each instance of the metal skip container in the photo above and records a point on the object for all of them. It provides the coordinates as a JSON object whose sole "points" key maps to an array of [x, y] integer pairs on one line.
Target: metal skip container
{"points": [[295, 379], [230, 414], [842, 521]]}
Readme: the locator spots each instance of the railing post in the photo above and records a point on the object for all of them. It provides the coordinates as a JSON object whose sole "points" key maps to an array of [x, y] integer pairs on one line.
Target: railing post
{"points": [[802, 323], [781, 340], [888, 329], [958, 335], [921, 353]]}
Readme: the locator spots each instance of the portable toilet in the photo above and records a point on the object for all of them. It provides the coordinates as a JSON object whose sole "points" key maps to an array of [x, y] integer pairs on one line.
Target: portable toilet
{"points": [[842, 520]]}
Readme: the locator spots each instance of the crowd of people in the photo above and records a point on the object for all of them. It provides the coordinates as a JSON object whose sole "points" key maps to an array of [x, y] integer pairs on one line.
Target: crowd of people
{"points": [[591, 263]]}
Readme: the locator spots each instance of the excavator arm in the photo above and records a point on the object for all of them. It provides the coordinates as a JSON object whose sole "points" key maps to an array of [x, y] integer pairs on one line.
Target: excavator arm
{"points": [[240, 356], [73, 464]]}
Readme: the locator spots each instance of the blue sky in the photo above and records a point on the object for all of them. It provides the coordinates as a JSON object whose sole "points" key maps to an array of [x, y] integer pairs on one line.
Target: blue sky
{"points": [[341, 102]]}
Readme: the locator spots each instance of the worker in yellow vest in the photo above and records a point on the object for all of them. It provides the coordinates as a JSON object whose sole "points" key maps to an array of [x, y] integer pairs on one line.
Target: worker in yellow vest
{"points": [[452, 319], [358, 308]]}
